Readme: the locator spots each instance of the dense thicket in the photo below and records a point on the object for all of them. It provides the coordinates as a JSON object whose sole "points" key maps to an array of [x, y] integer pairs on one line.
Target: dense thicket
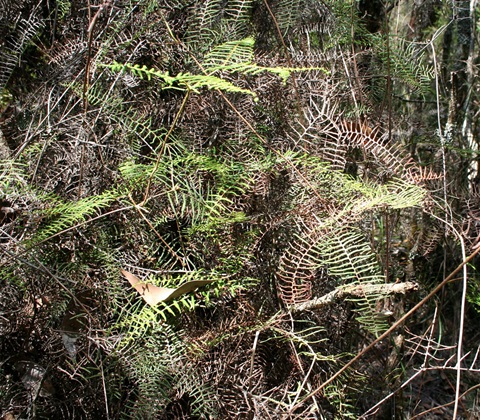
{"points": [[300, 174]]}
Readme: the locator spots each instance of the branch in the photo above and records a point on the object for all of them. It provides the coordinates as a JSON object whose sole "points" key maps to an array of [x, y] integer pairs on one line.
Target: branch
{"points": [[357, 290]]}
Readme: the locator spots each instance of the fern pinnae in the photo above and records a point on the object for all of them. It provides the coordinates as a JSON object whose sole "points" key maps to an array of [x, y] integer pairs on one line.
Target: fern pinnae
{"points": [[67, 214], [206, 14], [182, 81], [287, 14], [238, 15], [25, 31], [228, 53]]}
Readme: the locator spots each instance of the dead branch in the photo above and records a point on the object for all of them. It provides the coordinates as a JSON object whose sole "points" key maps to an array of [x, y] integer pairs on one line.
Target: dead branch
{"points": [[357, 290]]}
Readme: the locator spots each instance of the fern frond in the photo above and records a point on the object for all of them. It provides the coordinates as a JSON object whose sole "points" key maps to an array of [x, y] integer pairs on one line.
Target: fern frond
{"points": [[406, 62], [63, 215], [287, 13], [391, 159], [237, 17], [182, 81], [347, 259], [158, 366], [329, 246], [237, 56], [137, 320], [230, 57], [228, 53], [25, 31], [214, 21], [396, 194], [203, 28], [192, 186], [11, 173], [320, 133]]}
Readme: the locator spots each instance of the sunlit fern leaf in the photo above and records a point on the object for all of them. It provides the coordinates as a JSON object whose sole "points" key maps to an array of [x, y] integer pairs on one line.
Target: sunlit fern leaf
{"points": [[182, 81], [347, 256], [329, 247], [62, 215], [231, 52], [11, 173], [401, 194], [214, 21], [396, 194], [193, 186], [254, 70], [369, 315]]}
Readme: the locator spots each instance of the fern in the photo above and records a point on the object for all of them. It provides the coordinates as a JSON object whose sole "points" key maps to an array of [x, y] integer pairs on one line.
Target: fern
{"points": [[287, 14], [203, 27], [12, 175], [406, 62], [182, 81], [236, 57], [331, 246], [63, 215], [237, 15], [157, 365], [25, 31], [132, 124], [185, 195], [214, 20], [230, 57], [229, 53]]}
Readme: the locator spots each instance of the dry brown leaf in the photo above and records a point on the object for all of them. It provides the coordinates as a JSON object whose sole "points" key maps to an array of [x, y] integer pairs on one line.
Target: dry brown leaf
{"points": [[154, 294]]}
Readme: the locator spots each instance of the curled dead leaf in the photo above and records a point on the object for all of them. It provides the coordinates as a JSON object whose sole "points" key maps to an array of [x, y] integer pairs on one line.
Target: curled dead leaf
{"points": [[154, 294]]}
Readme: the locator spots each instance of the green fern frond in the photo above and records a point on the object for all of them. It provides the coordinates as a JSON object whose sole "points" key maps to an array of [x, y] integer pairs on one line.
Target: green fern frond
{"points": [[347, 256], [396, 194], [228, 53], [230, 57], [237, 57], [11, 173], [402, 194], [62, 215], [331, 243], [287, 13], [10, 54], [206, 16], [182, 81], [214, 21], [193, 186], [406, 62], [137, 319], [237, 17], [158, 366]]}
